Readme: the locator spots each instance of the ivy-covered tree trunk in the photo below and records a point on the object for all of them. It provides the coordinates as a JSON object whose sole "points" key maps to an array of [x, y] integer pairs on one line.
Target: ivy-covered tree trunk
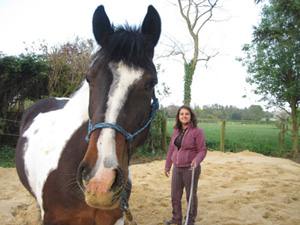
{"points": [[189, 71], [196, 14]]}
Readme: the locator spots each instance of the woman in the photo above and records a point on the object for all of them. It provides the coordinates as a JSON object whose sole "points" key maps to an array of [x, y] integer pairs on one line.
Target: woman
{"points": [[187, 150]]}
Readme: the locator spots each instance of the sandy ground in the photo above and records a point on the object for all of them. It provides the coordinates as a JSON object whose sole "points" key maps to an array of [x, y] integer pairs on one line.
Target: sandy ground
{"points": [[234, 188]]}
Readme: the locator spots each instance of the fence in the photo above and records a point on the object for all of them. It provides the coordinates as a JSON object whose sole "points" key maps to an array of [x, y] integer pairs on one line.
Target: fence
{"points": [[10, 121], [9, 132]]}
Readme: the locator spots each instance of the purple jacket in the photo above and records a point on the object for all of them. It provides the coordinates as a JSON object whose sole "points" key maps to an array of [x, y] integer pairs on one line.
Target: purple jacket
{"points": [[193, 148]]}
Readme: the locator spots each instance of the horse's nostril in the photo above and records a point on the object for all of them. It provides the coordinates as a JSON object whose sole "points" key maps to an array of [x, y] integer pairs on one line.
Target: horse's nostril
{"points": [[83, 173], [119, 179]]}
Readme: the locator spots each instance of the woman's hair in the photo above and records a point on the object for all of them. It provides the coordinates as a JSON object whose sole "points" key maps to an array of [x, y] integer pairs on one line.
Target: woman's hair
{"points": [[193, 122]]}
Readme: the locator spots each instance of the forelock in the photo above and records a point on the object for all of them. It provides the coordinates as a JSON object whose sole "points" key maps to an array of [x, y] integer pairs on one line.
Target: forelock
{"points": [[129, 45]]}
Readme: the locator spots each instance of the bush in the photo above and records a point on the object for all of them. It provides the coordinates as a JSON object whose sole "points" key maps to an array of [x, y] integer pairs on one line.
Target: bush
{"points": [[1, 125], [153, 143], [7, 157]]}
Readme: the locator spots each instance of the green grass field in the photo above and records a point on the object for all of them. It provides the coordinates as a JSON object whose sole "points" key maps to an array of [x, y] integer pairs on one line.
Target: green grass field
{"points": [[261, 138]]}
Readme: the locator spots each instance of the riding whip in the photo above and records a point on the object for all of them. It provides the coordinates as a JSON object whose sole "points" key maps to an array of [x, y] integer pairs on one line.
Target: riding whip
{"points": [[190, 199]]}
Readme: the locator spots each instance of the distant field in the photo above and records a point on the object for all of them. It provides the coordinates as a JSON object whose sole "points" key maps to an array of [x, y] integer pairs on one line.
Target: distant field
{"points": [[261, 138]]}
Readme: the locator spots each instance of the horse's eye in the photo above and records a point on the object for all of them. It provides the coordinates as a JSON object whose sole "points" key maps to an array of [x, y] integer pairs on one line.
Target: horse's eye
{"points": [[150, 84], [87, 79]]}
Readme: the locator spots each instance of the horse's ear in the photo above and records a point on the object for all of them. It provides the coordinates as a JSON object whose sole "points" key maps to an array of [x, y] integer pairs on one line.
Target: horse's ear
{"points": [[151, 27], [101, 25]]}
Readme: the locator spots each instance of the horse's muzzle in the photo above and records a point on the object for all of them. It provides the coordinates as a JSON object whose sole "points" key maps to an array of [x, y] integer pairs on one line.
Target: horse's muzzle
{"points": [[104, 189]]}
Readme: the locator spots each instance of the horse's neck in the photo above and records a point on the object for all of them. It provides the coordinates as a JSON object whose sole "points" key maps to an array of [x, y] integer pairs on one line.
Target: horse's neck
{"points": [[77, 107], [42, 154]]}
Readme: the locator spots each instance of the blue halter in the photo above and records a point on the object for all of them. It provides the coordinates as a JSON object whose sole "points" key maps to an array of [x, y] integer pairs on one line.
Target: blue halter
{"points": [[128, 136], [154, 106]]}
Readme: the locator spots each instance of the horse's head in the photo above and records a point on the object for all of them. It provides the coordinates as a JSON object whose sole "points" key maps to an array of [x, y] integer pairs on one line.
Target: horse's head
{"points": [[121, 79]]}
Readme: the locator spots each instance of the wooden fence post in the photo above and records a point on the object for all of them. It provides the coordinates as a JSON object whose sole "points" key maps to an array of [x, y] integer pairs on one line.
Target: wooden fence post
{"points": [[222, 143], [164, 134]]}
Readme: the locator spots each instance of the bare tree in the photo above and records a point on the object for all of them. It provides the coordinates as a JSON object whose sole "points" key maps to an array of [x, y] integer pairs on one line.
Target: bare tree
{"points": [[67, 63], [196, 13]]}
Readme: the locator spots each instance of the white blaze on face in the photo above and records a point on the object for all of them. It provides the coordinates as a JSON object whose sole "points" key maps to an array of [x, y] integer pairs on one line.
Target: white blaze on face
{"points": [[123, 78]]}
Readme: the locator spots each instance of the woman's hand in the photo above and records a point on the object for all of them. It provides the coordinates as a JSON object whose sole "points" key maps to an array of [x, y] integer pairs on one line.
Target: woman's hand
{"points": [[194, 165], [167, 173]]}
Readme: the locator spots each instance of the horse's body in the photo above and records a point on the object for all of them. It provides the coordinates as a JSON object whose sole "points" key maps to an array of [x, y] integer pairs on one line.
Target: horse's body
{"points": [[79, 182]]}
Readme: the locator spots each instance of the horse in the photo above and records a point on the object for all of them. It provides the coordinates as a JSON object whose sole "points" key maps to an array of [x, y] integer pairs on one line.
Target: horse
{"points": [[73, 153]]}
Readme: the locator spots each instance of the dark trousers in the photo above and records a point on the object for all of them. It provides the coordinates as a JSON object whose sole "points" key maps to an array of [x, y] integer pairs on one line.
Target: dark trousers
{"points": [[181, 178]]}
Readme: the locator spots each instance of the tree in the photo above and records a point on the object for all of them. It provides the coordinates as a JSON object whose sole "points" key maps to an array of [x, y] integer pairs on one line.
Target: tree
{"points": [[198, 111], [273, 59], [236, 116], [67, 63], [256, 112], [19, 78], [171, 111], [232, 112], [195, 14]]}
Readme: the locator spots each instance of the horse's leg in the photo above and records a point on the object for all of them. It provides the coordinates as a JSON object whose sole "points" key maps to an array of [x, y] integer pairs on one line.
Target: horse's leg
{"points": [[109, 217], [71, 216], [120, 221]]}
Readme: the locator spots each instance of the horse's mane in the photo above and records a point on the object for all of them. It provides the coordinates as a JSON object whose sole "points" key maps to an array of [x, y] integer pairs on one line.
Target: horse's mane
{"points": [[128, 44]]}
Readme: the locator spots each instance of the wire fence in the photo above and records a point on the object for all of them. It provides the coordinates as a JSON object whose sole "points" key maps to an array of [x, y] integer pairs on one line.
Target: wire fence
{"points": [[12, 135], [9, 130], [10, 121]]}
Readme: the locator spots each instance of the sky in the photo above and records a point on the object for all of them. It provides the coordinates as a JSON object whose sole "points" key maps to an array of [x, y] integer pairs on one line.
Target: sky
{"points": [[222, 81]]}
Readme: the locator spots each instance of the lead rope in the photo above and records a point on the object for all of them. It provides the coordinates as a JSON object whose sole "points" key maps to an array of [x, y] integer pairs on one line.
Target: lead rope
{"points": [[191, 196], [129, 217], [125, 208]]}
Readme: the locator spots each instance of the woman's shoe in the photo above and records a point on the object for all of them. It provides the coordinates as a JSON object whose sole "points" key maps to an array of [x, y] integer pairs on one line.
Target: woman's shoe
{"points": [[172, 223]]}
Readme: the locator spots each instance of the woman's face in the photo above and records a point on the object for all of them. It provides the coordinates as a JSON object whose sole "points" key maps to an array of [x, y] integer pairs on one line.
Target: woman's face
{"points": [[184, 116]]}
